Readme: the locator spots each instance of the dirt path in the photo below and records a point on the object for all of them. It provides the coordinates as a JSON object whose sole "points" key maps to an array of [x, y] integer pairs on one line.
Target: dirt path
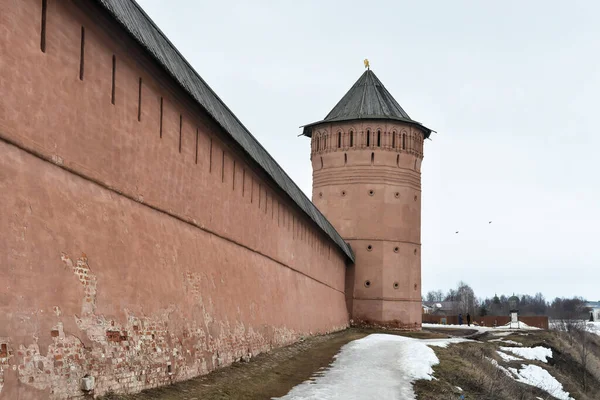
{"points": [[268, 375]]}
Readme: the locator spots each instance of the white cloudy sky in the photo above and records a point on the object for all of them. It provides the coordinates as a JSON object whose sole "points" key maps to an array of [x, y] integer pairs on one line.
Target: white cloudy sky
{"points": [[512, 88]]}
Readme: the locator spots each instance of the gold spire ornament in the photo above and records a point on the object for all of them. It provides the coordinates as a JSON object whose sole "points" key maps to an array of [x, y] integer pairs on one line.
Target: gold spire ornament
{"points": [[366, 63]]}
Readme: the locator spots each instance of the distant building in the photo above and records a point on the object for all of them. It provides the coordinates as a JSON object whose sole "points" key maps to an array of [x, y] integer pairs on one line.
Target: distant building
{"points": [[594, 307], [441, 307]]}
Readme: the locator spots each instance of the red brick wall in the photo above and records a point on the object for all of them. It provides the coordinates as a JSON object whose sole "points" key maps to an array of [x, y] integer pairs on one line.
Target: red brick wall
{"points": [[137, 251]]}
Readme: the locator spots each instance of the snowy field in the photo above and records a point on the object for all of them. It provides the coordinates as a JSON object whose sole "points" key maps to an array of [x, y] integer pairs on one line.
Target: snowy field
{"points": [[378, 366]]}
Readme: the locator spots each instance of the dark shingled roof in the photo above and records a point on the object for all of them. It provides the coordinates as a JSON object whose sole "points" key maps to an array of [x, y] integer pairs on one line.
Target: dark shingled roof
{"points": [[367, 99], [135, 21]]}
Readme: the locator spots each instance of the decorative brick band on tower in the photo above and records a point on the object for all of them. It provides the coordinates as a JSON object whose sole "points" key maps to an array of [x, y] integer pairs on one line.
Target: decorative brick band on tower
{"points": [[366, 158]]}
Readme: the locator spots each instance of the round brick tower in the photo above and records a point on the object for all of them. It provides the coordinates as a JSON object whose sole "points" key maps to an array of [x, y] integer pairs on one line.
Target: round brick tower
{"points": [[366, 157]]}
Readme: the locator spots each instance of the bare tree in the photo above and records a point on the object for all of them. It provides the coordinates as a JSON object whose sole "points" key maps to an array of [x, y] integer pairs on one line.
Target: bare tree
{"points": [[435, 295], [583, 348]]}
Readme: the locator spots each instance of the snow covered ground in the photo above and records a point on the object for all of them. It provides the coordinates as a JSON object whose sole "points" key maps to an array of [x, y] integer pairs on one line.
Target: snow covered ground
{"points": [[593, 327], [539, 377], [531, 374], [500, 367], [378, 366], [531, 353], [508, 357]]}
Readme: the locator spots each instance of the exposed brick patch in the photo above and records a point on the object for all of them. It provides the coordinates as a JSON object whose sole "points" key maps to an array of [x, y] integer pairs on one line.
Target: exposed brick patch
{"points": [[141, 352], [113, 336], [5, 356], [82, 270]]}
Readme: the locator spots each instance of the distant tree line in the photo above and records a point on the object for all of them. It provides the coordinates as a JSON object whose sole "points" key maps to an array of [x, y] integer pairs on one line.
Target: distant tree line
{"points": [[464, 301]]}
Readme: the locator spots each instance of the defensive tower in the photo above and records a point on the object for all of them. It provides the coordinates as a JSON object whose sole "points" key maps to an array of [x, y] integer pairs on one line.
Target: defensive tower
{"points": [[366, 157]]}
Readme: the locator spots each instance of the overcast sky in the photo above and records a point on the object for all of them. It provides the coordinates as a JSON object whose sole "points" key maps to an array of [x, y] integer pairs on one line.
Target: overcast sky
{"points": [[512, 88]]}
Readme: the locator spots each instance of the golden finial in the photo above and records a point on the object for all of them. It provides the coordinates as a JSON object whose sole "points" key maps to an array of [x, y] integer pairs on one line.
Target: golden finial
{"points": [[366, 63]]}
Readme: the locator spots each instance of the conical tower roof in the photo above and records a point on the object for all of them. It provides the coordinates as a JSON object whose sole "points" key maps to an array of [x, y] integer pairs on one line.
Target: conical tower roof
{"points": [[367, 99]]}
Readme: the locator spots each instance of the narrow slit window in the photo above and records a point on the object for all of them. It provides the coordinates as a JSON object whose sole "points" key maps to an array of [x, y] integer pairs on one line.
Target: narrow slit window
{"points": [[339, 139], [403, 141], [368, 138], [114, 75], [372, 158], [378, 138], [210, 157], [197, 134], [243, 182], [180, 130], [318, 139], [140, 100], [351, 139], [394, 140], [43, 30], [82, 53], [161, 115], [345, 158]]}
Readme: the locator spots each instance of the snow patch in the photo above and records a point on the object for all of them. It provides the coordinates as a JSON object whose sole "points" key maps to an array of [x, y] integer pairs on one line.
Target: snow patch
{"points": [[500, 367], [508, 357], [501, 334], [523, 326], [378, 366], [458, 388], [507, 342], [539, 377], [444, 342], [593, 327], [536, 353]]}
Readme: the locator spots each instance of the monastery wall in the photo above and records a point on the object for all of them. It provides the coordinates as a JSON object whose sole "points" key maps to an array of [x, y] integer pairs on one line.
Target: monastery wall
{"points": [[139, 244]]}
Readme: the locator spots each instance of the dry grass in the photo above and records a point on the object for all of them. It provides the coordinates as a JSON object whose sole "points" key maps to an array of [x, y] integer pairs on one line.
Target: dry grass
{"points": [[467, 366]]}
